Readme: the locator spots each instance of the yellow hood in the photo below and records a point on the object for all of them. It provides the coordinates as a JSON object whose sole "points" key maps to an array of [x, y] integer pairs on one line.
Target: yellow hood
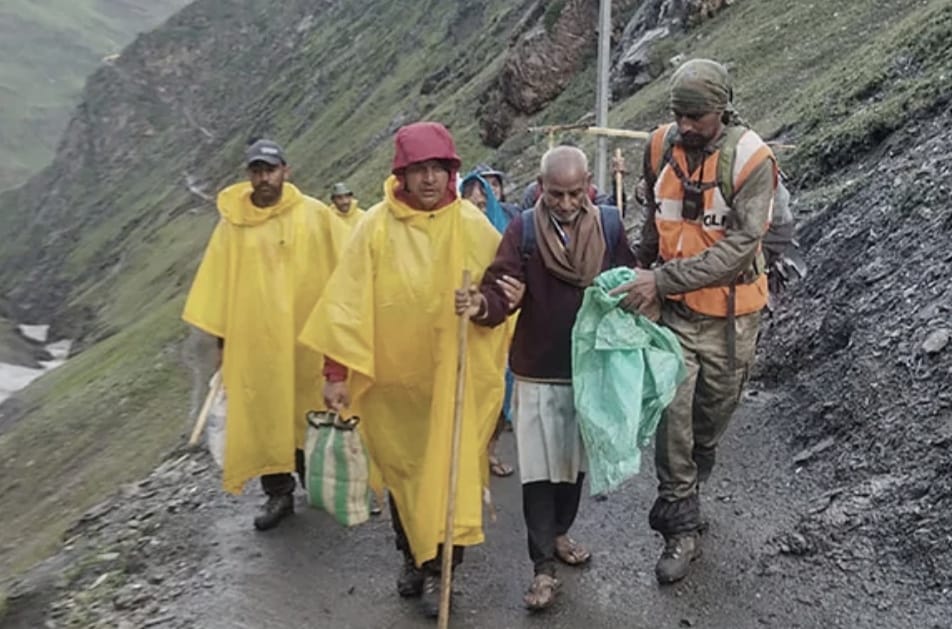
{"points": [[235, 206]]}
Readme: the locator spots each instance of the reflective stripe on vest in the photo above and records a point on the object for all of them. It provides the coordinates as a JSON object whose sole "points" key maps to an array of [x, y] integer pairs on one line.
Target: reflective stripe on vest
{"points": [[682, 238]]}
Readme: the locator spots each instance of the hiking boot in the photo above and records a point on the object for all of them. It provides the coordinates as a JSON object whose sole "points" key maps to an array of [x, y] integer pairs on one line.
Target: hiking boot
{"points": [[430, 600], [410, 581], [273, 511], [679, 552]]}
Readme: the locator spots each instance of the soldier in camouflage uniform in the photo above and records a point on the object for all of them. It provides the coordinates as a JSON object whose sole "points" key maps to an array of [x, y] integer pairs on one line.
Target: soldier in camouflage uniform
{"points": [[701, 263]]}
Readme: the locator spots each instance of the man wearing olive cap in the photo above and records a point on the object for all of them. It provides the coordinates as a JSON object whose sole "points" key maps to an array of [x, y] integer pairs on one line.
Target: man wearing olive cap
{"points": [[701, 263], [345, 204]]}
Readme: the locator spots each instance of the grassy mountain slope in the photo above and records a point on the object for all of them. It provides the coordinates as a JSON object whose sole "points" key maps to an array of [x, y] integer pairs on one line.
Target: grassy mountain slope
{"points": [[47, 47], [112, 234], [180, 104]]}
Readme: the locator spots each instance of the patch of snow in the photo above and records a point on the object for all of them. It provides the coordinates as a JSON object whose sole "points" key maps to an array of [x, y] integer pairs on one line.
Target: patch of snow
{"points": [[16, 377], [59, 351], [38, 333]]}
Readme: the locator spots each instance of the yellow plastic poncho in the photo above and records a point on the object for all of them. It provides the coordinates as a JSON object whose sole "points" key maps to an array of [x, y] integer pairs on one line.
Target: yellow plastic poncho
{"points": [[388, 316], [353, 215], [262, 273]]}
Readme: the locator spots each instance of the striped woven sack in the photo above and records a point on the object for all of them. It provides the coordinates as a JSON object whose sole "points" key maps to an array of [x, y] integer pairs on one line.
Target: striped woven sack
{"points": [[337, 467]]}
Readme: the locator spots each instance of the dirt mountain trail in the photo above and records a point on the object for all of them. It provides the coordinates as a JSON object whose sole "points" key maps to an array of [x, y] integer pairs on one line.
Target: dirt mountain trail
{"points": [[183, 554]]}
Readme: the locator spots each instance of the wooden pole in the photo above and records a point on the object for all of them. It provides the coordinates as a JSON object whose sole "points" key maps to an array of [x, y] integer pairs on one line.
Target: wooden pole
{"points": [[618, 133], [446, 588], [552, 128], [550, 131], [619, 182], [601, 93], [206, 407]]}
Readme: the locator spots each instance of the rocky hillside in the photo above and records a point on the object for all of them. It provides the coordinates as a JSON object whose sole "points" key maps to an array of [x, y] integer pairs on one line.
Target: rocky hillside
{"points": [[862, 353], [108, 236], [46, 51]]}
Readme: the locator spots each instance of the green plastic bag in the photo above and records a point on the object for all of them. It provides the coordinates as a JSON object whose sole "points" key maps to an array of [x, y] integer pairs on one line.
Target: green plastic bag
{"points": [[337, 469], [625, 371]]}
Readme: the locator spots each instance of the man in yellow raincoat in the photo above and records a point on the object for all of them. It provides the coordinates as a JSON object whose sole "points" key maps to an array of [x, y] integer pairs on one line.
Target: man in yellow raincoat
{"points": [[387, 326], [345, 204], [265, 266]]}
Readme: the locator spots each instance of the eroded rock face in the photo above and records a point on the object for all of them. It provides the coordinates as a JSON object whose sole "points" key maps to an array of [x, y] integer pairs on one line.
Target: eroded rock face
{"points": [[538, 67], [559, 39], [637, 63]]}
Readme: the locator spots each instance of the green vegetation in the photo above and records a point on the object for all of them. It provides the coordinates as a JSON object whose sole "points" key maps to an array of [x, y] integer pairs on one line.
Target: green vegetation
{"points": [[47, 47], [333, 88]]}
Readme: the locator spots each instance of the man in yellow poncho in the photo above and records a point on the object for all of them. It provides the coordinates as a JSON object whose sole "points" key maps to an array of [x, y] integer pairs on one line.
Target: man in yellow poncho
{"points": [[263, 270], [345, 204], [387, 326]]}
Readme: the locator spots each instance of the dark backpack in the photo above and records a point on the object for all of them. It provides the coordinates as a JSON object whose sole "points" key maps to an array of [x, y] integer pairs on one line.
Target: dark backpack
{"points": [[781, 259], [611, 228]]}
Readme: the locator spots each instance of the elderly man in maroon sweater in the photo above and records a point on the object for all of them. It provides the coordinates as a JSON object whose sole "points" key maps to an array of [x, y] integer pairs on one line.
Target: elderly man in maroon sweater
{"points": [[566, 248]]}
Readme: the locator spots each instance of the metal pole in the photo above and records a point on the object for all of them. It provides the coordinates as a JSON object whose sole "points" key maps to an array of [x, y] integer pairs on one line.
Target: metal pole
{"points": [[601, 98]]}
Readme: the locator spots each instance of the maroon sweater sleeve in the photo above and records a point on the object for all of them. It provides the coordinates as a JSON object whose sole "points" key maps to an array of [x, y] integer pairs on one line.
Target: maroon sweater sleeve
{"points": [[509, 262]]}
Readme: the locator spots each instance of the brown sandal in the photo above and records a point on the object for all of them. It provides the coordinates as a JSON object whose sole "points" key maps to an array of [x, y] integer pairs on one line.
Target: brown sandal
{"points": [[570, 552], [542, 592]]}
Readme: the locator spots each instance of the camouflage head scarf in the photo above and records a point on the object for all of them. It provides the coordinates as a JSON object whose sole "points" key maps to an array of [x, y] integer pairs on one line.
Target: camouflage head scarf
{"points": [[700, 86]]}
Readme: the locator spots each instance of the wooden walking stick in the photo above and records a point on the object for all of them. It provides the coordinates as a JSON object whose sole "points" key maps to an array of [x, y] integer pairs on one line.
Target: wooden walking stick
{"points": [[446, 588], [619, 189], [206, 408]]}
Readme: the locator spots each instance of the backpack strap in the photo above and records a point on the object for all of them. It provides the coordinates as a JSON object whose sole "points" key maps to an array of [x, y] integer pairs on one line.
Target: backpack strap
{"points": [[611, 230], [661, 144], [528, 244], [726, 160]]}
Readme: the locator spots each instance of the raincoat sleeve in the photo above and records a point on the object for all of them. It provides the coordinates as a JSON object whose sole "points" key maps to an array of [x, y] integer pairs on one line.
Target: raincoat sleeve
{"points": [[207, 305], [341, 325]]}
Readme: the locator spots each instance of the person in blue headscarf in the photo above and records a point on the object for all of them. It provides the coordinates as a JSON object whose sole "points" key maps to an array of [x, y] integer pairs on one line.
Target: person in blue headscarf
{"points": [[477, 190], [476, 187], [497, 181]]}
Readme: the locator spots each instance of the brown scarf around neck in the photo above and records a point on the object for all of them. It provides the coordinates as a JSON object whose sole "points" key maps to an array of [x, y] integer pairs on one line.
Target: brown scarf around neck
{"points": [[580, 259]]}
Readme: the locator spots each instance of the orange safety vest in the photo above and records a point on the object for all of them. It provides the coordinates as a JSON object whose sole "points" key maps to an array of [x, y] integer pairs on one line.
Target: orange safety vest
{"points": [[680, 237]]}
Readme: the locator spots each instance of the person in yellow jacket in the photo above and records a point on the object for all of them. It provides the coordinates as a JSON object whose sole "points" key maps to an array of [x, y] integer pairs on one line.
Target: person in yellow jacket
{"points": [[265, 266], [388, 329], [345, 204]]}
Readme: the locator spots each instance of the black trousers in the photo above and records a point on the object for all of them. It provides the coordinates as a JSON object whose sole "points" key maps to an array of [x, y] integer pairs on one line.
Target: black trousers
{"points": [[433, 566], [283, 484], [549, 510]]}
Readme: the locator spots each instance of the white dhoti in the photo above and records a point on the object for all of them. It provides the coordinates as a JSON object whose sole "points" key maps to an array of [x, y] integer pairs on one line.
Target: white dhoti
{"points": [[548, 440]]}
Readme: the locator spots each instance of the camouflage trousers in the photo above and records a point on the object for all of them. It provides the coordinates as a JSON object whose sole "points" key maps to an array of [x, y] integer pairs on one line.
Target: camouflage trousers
{"points": [[692, 426]]}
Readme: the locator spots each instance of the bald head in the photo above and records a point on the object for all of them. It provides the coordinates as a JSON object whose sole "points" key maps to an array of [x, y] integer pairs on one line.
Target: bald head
{"points": [[565, 180], [563, 159]]}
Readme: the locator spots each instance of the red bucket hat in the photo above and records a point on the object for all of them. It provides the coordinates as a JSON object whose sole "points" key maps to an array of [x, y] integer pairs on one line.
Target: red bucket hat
{"points": [[422, 141]]}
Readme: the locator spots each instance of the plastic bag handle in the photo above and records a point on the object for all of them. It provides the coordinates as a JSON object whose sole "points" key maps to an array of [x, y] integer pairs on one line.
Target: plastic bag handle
{"points": [[324, 419]]}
